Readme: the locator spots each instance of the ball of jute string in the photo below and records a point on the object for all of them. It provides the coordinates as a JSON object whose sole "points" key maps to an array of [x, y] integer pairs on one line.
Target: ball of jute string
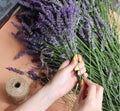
{"points": [[17, 89]]}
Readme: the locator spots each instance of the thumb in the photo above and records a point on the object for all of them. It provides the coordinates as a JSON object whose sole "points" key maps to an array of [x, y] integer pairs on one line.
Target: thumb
{"points": [[81, 93]]}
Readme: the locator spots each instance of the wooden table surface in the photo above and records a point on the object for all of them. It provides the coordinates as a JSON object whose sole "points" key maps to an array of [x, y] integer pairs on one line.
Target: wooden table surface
{"points": [[9, 48]]}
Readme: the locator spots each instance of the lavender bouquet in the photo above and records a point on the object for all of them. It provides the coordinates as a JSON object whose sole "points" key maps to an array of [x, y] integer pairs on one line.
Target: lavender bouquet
{"points": [[55, 30]]}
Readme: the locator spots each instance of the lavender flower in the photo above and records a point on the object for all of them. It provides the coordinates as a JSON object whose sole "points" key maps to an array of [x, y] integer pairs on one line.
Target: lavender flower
{"points": [[63, 56], [24, 3], [52, 21], [86, 4], [15, 70], [26, 51], [33, 75]]}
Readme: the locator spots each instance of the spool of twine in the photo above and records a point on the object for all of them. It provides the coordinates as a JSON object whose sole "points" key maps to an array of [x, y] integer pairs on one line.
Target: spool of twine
{"points": [[17, 89]]}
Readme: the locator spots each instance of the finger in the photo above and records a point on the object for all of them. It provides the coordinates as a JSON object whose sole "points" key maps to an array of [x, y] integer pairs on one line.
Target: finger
{"points": [[81, 93], [81, 71], [80, 58], [81, 65], [74, 76], [71, 66], [99, 93], [64, 64], [85, 75], [91, 87]]}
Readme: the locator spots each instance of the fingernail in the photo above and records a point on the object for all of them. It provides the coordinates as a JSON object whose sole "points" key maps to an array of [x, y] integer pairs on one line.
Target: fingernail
{"points": [[82, 82], [80, 58], [76, 68], [75, 57]]}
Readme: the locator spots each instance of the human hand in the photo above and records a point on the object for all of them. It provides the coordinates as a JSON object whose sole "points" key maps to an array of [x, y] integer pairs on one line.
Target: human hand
{"points": [[65, 78], [90, 97]]}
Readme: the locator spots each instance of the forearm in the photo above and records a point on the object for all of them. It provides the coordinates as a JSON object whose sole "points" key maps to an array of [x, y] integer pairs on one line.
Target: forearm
{"points": [[41, 100]]}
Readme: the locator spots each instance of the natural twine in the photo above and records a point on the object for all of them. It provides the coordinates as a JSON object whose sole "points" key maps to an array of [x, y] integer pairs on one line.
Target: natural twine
{"points": [[17, 89]]}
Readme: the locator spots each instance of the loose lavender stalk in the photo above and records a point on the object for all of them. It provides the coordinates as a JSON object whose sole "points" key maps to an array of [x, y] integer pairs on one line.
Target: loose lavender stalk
{"points": [[15, 70]]}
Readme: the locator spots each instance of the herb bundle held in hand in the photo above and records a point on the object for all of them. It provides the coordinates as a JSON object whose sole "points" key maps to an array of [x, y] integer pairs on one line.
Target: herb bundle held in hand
{"points": [[55, 30]]}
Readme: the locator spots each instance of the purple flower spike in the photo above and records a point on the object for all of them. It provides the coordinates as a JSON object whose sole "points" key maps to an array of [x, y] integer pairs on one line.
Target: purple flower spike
{"points": [[15, 70], [33, 75]]}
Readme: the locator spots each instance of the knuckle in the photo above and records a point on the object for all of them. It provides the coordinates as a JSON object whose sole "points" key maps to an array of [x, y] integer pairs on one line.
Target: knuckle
{"points": [[84, 69], [93, 85], [85, 75], [72, 65]]}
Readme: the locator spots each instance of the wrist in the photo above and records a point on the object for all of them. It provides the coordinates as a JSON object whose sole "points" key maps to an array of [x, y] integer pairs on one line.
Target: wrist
{"points": [[54, 93], [47, 95]]}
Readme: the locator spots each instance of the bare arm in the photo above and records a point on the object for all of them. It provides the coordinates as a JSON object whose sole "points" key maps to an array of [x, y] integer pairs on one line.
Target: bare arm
{"points": [[41, 100]]}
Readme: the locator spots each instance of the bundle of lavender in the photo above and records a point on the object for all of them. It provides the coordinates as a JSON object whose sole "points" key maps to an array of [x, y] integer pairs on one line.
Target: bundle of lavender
{"points": [[55, 30]]}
